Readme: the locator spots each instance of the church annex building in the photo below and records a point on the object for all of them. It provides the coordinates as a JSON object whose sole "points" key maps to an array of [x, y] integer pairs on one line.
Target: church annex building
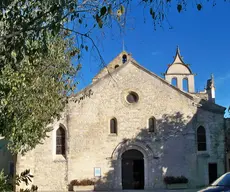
{"points": [[130, 128]]}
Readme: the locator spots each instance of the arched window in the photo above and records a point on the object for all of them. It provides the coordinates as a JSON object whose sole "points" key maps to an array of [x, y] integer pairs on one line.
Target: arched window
{"points": [[201, 139], [152, 124], [185, 84], [124, 58], [174, 81], [60, 141], [113, 126]]}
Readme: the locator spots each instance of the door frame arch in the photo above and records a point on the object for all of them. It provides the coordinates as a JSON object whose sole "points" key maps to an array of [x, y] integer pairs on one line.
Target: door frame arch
{"points": [[117, 158]]}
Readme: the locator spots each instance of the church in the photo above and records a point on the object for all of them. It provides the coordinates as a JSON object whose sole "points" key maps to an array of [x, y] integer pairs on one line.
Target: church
{"points": [[130, 129]]}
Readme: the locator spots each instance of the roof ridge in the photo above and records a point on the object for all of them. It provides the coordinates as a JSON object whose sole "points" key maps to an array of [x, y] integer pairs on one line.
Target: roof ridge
{"points": [[163, 80], [191, 96]]}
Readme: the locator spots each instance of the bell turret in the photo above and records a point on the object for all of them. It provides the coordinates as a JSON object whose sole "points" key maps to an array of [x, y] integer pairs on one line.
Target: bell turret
{"points": [[180, 73]]}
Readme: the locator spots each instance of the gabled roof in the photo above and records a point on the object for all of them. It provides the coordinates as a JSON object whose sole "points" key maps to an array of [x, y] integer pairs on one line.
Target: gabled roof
{"points": [[178, 58], [135, 63], [201, 103]]}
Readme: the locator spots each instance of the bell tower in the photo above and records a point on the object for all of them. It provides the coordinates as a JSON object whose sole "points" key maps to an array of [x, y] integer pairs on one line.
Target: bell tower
{"points": [[179, 74]]}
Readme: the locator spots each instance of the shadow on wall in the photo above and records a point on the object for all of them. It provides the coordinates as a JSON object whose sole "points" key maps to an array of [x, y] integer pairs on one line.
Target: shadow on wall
{"points": [[170, 150], [167, 141]]}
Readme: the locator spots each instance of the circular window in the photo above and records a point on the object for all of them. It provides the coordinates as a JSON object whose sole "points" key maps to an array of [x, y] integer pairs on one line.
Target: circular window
{"points": [[132, 97]]}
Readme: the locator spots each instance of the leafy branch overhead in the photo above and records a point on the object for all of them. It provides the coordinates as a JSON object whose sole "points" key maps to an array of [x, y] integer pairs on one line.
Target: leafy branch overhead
{"points": [[22, 22]]}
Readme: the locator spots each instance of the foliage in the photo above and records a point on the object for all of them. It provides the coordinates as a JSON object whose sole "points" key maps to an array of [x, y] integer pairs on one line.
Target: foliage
{"points": [[158, 9], [174, 180], [4, 184], [23, 22], [36, 74], [24, 177], [35, 93], [83, 182]]}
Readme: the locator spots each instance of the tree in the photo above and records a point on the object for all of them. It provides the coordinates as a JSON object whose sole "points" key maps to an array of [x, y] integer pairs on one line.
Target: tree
{"points": [[35, 93], [36, 46]]}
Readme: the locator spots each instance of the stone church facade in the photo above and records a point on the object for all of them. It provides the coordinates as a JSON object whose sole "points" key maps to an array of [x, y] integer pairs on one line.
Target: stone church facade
{"points": [[130, 128]]}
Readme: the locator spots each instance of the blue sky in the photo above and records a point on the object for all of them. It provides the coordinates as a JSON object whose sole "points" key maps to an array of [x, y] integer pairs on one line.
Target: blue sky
{"points": [[203, 38]]}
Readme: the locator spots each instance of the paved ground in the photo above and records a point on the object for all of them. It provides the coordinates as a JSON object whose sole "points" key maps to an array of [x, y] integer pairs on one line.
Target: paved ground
{"points": [[161, 190], [155, 190], [183, 190]]}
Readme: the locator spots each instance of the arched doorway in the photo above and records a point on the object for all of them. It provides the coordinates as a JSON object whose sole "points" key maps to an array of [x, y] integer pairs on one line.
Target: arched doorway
{"points": [[132, 169]]}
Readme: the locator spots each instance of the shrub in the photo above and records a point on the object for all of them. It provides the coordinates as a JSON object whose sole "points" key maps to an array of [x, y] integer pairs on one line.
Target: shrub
{"points": [[174, 180], [83, 182], [4, 182], [74, 182]]}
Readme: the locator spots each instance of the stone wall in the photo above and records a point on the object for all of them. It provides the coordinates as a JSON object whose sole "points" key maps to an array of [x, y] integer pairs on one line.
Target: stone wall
{"points": [[48, 169], [113, 65], [227, 128], [171, 150]]}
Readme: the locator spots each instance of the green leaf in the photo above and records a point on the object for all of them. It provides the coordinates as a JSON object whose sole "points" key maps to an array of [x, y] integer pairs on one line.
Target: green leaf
{"points": [[100, 24], [122, 9], [97, 18], [119, 13], [151, 11], [153, 15], [103, 10], [110, 9], [179, 8], [199, 7]]}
